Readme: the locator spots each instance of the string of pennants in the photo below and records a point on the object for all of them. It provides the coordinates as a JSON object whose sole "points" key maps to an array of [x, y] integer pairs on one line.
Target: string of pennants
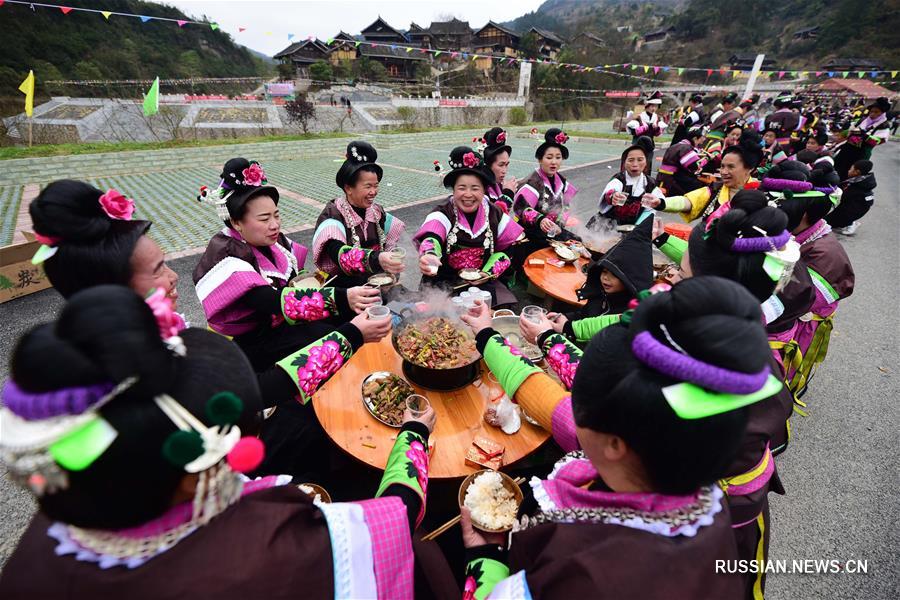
{"points": [[656, 69]]}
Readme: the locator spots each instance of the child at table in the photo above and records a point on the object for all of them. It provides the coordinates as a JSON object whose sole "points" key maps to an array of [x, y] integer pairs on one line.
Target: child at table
{"points": [[611, 284]]}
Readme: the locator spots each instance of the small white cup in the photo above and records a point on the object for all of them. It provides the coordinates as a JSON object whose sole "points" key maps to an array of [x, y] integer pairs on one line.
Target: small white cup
{"points": [[378, 312]]}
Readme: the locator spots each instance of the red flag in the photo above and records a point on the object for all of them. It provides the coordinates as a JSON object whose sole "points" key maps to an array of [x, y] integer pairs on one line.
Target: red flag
{"points": [[65, 9], [242, 29], [708, 72]]}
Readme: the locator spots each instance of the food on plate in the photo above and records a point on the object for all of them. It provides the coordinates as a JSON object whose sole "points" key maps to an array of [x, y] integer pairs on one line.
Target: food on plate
{"points": [[436, 343], [564, 252], [387, 397], [471, 274], [493, 506]]}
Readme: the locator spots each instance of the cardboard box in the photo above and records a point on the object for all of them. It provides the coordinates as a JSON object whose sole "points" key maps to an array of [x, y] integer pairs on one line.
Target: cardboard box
{"points": [[18, 277]]}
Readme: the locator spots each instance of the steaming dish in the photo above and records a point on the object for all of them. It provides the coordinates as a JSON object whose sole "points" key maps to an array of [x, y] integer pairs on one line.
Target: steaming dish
{"points": [[436, 343]]}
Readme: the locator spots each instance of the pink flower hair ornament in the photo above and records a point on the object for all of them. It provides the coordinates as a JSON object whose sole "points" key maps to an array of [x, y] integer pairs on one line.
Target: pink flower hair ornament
{"points": [[470, 160], [501, 137], [254, 175], [117, 206], [561, 138]]}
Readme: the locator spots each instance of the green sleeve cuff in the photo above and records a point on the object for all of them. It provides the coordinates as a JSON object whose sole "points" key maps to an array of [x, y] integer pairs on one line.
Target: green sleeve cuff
{"points": [[407, 465], [496, 264], [313, 365], [563, 357], [483, 574], [674, 248], [508, 364], [432, 245], [307, 304], [677, 204], [585, 329]]}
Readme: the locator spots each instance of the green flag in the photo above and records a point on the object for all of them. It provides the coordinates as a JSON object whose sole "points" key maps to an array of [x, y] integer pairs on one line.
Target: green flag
{"points": [[151, 100]]}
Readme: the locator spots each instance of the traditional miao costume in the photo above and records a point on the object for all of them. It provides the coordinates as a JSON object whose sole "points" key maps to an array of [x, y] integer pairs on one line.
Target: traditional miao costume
{"points": [[539, 199], [678, 171], [857, 199], [495, 143], [348, 239], [784, 121], [245, 290], [353, 256], [461, 243], [544, 548], [705, 203], [237, 537], [860, 142], [648, 125], [694, 117]]}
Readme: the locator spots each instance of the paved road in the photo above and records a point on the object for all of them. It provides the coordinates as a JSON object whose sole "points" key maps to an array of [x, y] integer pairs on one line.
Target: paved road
{"points": [[841, 469]]}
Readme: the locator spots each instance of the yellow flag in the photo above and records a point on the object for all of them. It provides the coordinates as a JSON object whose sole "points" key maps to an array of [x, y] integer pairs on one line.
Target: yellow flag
{"points": [[106, 14], [27, 88]]}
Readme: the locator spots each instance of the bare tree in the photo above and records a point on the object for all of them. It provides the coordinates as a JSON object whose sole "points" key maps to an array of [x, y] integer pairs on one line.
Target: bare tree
{"points": [[300, 111]]}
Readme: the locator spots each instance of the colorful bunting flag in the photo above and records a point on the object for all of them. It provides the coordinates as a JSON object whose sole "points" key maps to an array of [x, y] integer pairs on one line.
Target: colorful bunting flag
{"points": [[680, 71], [646, 68], [151, 100], [215, 26], [734, 74], [893, 74], [861, 73], [106, 14], [27, 88], [780, 74], [709, 72], [65, 9], [831, 73], [145, 18], [844, 74], [181, 23], [818, 73], [290, 36], [242, 29]]}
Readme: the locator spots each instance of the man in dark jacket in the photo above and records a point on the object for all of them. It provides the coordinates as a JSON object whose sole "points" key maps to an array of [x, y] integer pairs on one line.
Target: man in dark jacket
{"points": [[857, 199]]}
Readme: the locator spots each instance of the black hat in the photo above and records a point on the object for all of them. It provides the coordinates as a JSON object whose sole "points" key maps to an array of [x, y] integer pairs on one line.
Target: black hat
{"points": [[881, 103], [784, 100], [730, 97], [465, 161], [495, 143], [631, 260], [242, 180], [359, 154], [697, 98], [654, 98], [554, 138]]}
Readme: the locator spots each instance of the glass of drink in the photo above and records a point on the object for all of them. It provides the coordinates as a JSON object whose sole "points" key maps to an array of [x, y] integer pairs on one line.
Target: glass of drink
{"points": [[417, 405], [378, 312], [533, 314]]}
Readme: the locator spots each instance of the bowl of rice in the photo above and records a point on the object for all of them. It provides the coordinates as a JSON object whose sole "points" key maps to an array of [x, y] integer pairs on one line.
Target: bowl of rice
{"points": [[493, 499]]}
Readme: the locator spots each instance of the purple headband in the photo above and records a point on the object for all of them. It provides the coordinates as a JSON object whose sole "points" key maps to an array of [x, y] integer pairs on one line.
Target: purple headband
{"points": [[774, 184], [682, 367], [33, 406], [825, 190], [760, 244]]}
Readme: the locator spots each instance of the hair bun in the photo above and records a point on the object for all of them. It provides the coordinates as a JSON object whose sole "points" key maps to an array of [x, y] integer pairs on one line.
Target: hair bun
{"points": [[70, 210], [712, 319], [104, 333]]}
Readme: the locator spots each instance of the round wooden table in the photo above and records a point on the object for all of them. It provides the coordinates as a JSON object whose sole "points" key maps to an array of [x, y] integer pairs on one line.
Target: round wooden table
{"points": [[339, 408], [560, 283]]}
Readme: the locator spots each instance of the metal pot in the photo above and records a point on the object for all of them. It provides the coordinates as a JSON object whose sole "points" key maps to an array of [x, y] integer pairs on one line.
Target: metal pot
{"points": [[506, 323], [427, 377]]}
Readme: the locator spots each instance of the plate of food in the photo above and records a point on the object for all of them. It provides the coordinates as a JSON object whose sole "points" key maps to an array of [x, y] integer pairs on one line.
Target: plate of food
{"points": [[473, 275], [565, 253], [384, 395], [493, 499], [382, 280]]}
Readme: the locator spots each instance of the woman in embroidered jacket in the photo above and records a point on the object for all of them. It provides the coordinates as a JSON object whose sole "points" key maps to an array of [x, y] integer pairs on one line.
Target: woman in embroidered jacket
{"points": [[681, 164], [542, 203], [658, 427], [863, 136], [631, 195], [708, 203], [806, 204], [354, 234], [243, 278], [496, 159], [466, 231], [95, 242], [648, 124], [134, 455]]}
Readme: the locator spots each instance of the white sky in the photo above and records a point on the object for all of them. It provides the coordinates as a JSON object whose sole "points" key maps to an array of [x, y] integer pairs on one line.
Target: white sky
{"points": [[269, 22]]}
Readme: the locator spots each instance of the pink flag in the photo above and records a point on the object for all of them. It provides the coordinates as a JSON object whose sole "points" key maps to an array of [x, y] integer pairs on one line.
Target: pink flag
{"points": [[65, 9], [655, 71], [780, 74], [181, 23]]}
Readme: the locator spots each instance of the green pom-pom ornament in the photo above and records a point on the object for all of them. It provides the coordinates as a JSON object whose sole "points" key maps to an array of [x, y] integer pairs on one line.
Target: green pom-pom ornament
{"points": [[224, 409], [182, 447]]}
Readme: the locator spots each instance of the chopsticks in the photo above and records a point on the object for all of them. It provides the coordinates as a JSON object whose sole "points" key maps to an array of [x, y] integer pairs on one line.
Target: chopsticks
{"points": [[431, 536]]}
